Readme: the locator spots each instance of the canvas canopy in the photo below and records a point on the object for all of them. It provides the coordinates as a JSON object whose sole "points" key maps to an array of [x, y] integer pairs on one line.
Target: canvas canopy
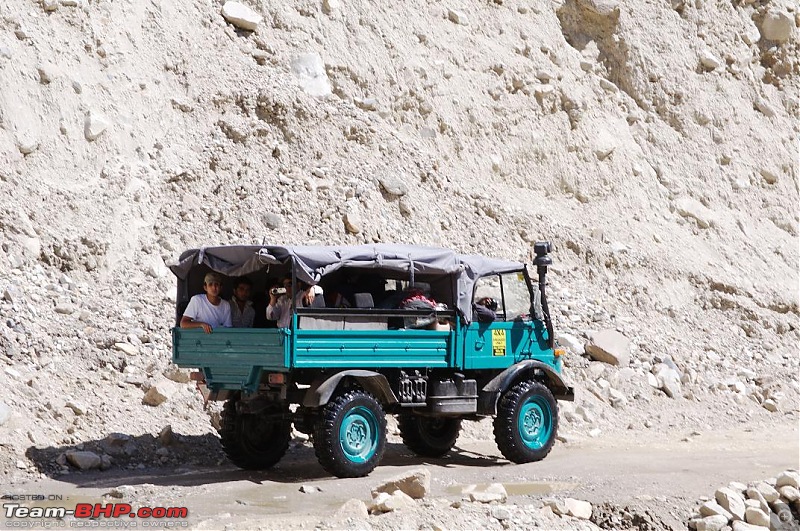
{"points": [[311, 263]]}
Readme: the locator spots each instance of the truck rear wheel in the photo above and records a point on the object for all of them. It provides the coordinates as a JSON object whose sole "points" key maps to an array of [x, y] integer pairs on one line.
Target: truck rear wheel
{"points": [[526, 423], [428, 436], [350, 435], [254, 441]]}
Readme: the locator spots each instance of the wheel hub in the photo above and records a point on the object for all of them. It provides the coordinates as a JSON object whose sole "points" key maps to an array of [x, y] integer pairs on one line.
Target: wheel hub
{"points": [[358, 435], [534, 423]]}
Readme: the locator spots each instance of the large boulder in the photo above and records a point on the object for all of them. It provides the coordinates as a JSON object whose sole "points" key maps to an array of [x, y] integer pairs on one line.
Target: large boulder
{"points": [[415, 483], [241, 16], [84, 460], [609, 346]]}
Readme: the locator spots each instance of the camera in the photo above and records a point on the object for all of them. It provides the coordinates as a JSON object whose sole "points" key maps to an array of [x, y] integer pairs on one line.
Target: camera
{"points": [[278, 291]]}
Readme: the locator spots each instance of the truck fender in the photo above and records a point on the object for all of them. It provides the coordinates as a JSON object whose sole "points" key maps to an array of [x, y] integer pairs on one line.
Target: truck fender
{"points": [[490, 394], [372, 382]]}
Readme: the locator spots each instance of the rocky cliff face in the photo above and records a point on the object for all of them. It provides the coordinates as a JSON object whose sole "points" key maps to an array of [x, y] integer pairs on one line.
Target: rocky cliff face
{"points": [[654, 143]]}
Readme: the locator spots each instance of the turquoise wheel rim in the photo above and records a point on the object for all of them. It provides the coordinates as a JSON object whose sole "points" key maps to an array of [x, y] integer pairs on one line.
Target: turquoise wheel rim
{"points": [[358, 435], [535, 422]]}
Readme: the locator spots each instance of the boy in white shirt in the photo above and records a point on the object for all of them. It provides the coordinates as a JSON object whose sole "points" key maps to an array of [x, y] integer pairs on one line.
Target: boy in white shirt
{"points": [[208, 310]]}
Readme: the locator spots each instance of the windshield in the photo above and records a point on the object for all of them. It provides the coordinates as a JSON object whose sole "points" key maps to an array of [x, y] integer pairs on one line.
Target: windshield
{"points": [[512, 300]]}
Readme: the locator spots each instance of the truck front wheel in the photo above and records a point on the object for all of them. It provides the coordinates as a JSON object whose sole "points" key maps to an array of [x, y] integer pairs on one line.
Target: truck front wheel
{"points": [[428, 436], [526, 422], [350, 434], [254, 441]]}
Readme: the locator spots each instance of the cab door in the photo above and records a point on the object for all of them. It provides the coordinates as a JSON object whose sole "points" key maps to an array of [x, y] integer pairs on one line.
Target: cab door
{"points": [[512, 336], [497, 345]]}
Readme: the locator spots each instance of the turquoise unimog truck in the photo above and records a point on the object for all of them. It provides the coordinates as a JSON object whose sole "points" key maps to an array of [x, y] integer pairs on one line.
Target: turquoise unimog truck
{"points": [[361, 352]]}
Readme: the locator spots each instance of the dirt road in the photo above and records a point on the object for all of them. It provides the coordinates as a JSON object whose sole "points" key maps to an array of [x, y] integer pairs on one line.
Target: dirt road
{"points": [[665, 474]]}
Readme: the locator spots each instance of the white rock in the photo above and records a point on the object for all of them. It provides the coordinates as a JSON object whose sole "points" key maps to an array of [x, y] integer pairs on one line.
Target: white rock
{"points": [[311, 74], [767, 491], [94, 124], [732, 501], [241, 16], [501, 513], [329, 6], [604, 144], [770, 405], [712, 508], [49, 5], [712, 523], [616, 398], [127, 348], [157, 269], [76, 407], [652, 380], [489, 493], [32, 246], [578, 508], [393, 185], [385, 502], [777, 25], [308, 489], [765, 108], [692, 208], [415, 483], [27, 143], [65, 308], [572, 343], [556, 506], [743, 526], [353, 508], [609, 346], [709, 60], [788, 477], [788, 493], [756, 516], [457, 17], [135, 377], [5, 413], [755, 495]]}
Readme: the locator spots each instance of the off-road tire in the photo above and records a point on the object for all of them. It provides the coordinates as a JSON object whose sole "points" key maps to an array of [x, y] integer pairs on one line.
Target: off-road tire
{"points": [[526, 423], [350, 434], [428, 436], [254, 442]]}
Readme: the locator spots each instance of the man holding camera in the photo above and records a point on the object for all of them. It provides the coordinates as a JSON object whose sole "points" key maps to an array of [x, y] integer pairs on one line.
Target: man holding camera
{"points": [[280, 300]]}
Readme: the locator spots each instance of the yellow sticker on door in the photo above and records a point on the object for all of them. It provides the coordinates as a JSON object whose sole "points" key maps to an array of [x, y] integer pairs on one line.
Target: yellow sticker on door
{"points": [[498, 342]]}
